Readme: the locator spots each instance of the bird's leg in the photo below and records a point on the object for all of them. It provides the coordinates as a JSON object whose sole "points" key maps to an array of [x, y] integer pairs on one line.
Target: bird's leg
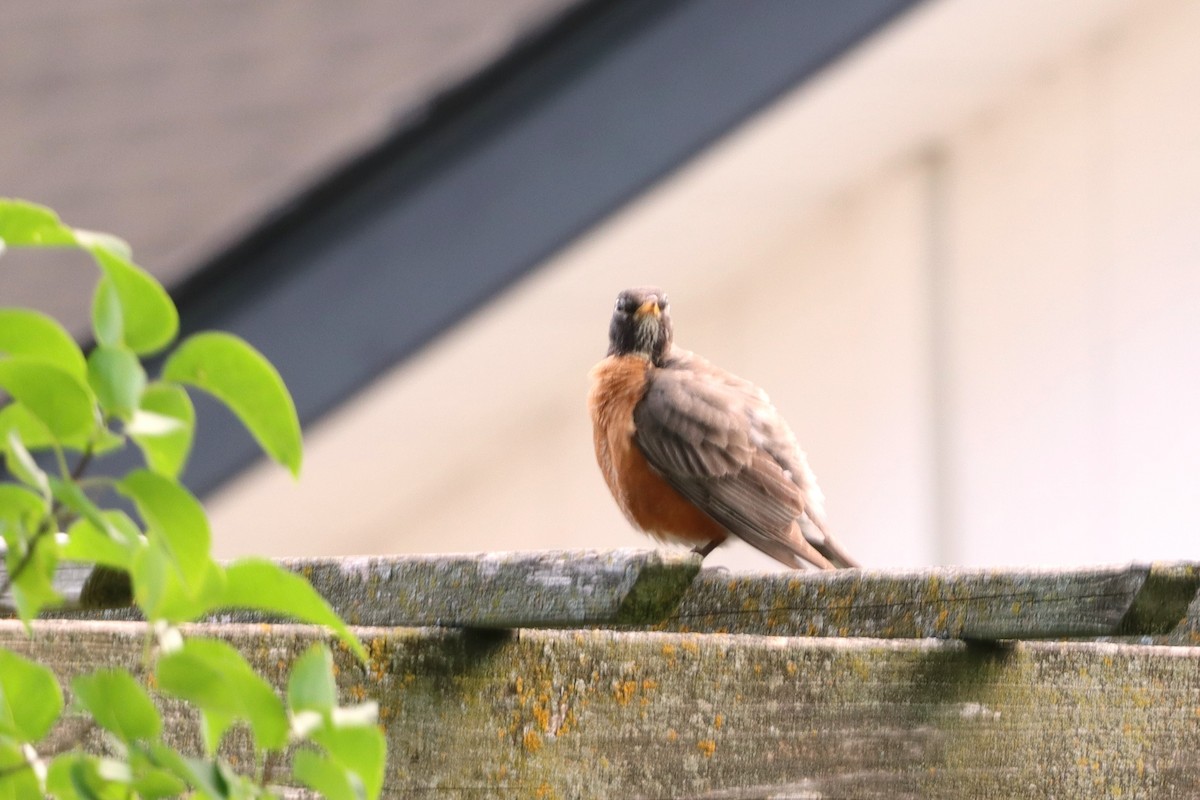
{"points": [[704, 550]]}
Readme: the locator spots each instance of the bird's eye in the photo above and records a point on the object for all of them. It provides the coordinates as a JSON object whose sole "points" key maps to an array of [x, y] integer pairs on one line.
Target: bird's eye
{"points": [[662, 302], [626, 304]]}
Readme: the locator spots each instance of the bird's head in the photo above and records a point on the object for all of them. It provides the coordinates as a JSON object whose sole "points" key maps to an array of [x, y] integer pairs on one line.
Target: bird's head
{"points": [[641, 325]]}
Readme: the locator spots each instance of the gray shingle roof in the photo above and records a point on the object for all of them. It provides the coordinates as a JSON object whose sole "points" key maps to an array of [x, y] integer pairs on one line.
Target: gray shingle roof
{"points": [[179, 125]]}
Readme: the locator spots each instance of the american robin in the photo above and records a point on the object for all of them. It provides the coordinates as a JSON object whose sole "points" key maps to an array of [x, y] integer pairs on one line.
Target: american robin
{"points": [[692, 453]]}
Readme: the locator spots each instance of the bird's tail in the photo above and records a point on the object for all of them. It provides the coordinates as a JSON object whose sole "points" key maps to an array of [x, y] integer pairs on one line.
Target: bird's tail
{"points": [[814, 533]]}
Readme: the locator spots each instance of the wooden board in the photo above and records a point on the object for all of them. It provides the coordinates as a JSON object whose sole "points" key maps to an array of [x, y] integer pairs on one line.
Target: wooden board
{"points": [[945, 602], [574, 589], [607, 714], [538, 589]]}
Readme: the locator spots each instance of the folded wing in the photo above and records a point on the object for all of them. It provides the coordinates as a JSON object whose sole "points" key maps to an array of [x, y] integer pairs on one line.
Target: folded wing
{"points": [[721, 444]]}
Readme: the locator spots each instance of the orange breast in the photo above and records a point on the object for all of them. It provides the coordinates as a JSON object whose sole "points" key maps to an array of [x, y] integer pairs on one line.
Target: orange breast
{"points": [[648, 501]]}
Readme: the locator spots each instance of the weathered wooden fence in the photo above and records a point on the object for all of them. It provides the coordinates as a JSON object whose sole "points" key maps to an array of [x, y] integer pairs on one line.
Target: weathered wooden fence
{"points": [[638, 675]]}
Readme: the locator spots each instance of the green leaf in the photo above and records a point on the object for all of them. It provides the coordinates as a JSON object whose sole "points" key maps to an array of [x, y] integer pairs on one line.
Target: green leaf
{"points": [[174, 515], [160, 592], [204, 776], [311, 686], [149, 318], [21, 464], [22, 516], [152, 780], [256, 583], [25, 224], [75, 776], [108, 323], [31, 333], [323, 776], [58, 779], [30, 698], [241, 378], [17, 782], [36, 436], [62, 402], [215, 678], [34, 589], [71, 496], [33, 432], [18, 504], [118, 704], [116, 545], [117, 378], [164, 445], [88, 239], [362, 750]]}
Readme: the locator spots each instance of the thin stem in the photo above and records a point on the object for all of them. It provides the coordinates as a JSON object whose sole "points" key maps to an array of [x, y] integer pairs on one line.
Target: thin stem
{"points": [[61, 458], [46, 529], [98, 482], [84, 461], [50, 522]]}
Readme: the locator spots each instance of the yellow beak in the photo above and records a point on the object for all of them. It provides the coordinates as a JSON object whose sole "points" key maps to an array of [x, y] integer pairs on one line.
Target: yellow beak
{"points": [[649, 307]]}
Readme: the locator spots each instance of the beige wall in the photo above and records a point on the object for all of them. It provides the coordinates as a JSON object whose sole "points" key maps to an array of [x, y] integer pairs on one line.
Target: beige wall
{"points": [[1073, 305], [984, 330]]}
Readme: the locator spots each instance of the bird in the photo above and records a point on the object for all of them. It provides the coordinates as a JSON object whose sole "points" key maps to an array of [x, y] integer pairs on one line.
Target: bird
{"points": [[693, 454]]}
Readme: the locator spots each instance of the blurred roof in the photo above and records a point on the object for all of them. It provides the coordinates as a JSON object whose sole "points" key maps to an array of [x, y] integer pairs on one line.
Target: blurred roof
{"points": [[339, 191], [181, 126]]}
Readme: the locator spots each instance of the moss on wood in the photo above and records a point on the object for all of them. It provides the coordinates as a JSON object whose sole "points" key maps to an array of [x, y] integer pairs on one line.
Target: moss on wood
{"points": [[583, 714]]}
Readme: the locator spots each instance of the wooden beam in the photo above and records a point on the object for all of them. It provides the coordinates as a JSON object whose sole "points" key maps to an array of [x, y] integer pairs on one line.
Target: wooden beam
{"points": [[573, 589], [603, 714], [944, 602], [540, 589]]}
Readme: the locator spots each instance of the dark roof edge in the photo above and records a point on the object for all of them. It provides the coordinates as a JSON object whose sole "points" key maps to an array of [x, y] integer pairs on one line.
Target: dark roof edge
{"points": [[443, 112], [387, 252]]}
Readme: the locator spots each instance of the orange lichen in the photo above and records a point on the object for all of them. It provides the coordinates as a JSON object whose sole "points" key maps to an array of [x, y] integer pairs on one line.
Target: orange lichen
{"points": [[541, 712], [532, 741], [707, 747]]}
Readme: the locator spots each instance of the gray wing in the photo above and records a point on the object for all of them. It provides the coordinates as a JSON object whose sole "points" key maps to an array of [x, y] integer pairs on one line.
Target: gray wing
{"points": [[720, 443]]}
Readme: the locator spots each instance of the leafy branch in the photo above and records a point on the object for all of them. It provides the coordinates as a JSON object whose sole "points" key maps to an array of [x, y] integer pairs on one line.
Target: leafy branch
{"points": [[56, 399]]}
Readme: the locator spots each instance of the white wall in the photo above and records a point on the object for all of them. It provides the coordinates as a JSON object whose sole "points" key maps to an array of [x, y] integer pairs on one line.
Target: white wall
{"points": [[984, 324], [1073, 306]]}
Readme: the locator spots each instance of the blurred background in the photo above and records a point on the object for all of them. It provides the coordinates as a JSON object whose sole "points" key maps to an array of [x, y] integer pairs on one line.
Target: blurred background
{"points": [[958, 242]]}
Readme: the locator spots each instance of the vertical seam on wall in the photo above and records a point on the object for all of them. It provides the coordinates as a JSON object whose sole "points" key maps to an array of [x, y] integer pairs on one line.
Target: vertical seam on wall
{"points": [[1102, 276], [946, 547]]}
